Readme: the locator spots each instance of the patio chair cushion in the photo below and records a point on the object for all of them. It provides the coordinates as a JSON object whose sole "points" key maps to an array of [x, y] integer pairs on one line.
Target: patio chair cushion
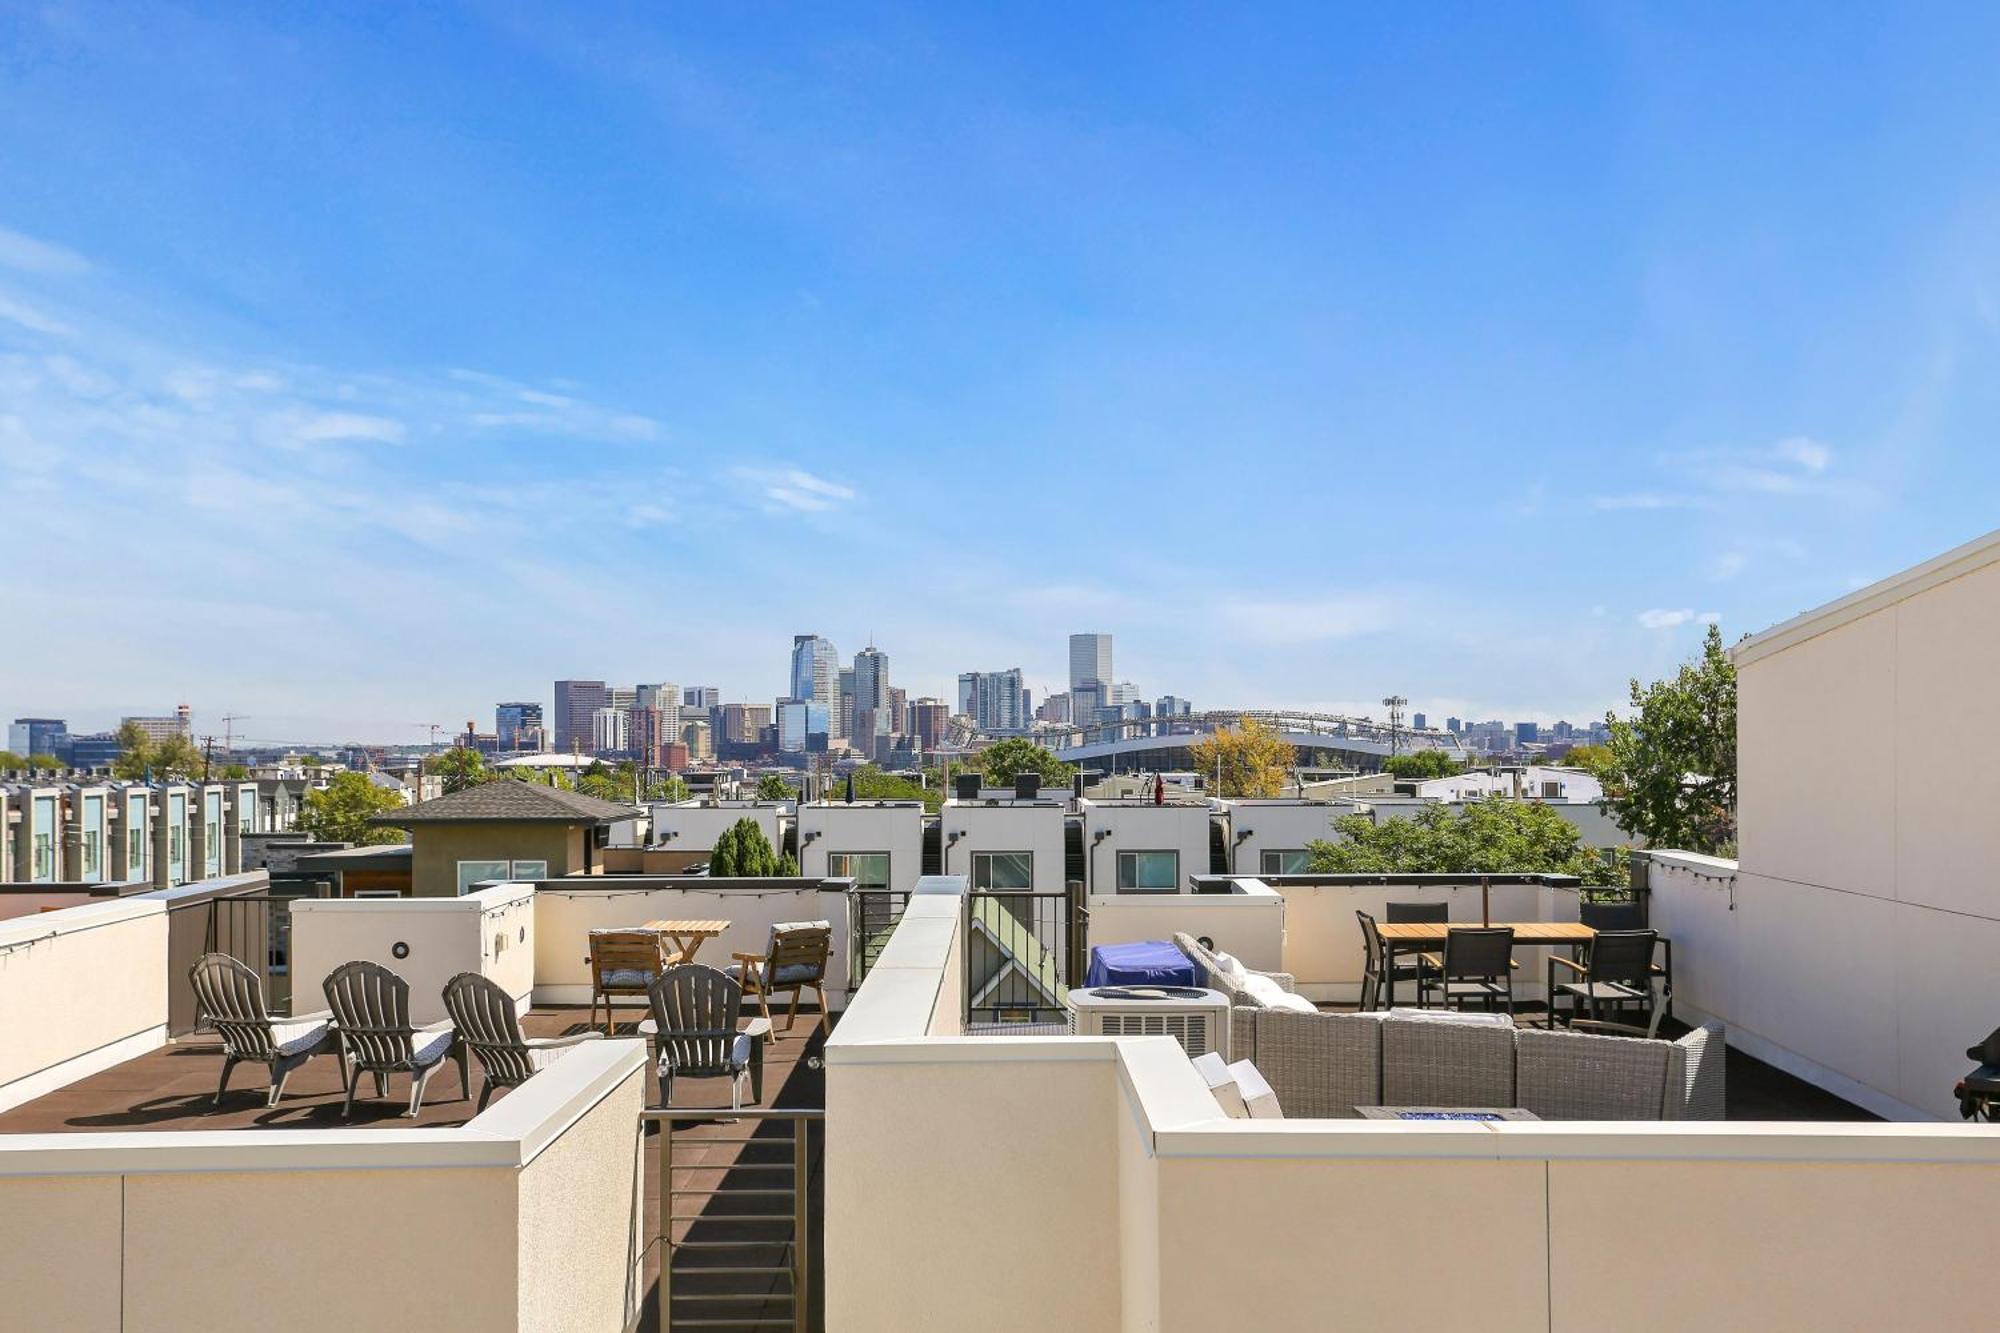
{"points": [[431, 1046], [1286, 1000], [1221, 1085], [628, 976], [1257, 1095], [780, 927], [292, 1038], [1229, 965], [786, 975], [1262, 990]]}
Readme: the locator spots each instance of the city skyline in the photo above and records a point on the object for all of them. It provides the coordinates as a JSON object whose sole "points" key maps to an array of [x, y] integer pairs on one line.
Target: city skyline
{"points": [[1164, 331]]}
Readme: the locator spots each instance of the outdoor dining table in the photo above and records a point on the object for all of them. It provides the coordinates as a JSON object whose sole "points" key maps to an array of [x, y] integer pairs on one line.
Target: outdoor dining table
{"points": [[687, 936], [1400, 937]]}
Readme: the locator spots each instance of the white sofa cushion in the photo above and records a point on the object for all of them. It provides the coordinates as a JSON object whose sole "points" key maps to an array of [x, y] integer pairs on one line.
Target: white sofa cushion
{"points": [[1221, 1085], [1262, 989], [1257, 1094], [1231, 966], [1297, 1004]]}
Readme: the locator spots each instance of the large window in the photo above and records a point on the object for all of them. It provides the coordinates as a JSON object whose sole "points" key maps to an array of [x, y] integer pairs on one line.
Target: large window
{"points": [[868, 870], [1003, 870], [44, 845], [135, 837], [1284, 861], [93, 838], [211, 834], [1149, 872], [476, 872]]}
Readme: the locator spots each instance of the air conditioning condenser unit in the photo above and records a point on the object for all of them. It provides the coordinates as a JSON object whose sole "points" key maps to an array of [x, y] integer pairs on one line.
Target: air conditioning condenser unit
{"points": [[1198, 1019]]}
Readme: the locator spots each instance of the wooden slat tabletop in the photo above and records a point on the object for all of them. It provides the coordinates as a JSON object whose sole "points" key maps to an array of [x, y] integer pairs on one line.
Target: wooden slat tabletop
{"points": [[688, 927], [1525, 932]]}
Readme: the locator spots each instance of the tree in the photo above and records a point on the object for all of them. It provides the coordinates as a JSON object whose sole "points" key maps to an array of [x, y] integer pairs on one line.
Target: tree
{"points": [[460, 768], [773, 787], [177, 758], [11, 762], [339, 811], [135, 753], [234, 772], [1250, 759], [1595, 760], [1422, 764], [1489, 837], [1672, 775], [743, 852], [43, 763], [872, 784], [1003, 761], [667, 787]]}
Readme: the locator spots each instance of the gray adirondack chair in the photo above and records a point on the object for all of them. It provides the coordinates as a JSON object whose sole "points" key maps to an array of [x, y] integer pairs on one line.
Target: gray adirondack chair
{"points": [[694, 1009], [232, 996], [484, 1016], [371, 1011]]}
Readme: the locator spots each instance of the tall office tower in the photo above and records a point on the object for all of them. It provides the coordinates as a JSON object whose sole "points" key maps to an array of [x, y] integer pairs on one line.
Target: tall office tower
{"points": [[844, 704], [1089, 659], [1453, 725], [1054, 708], [666, 696], [621, 696], [703, 697], [515, 723], [577, 702], [610, 730], [871, 687], [995, 700], [793, 717], [1419, 721], [929, 719], [697, 737], [899, 711], [815, 672], [968, 688], [158, 729], [648, 733], [1172, 705], [1525, 732]]}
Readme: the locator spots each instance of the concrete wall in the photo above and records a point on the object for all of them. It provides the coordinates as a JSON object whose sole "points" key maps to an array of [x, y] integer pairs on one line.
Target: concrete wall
{"points": [[81, 989], [696, 825], [525, 1218], [565, 915], [895, 827], [1006, 827], [438, 848], [1249, 924], [491, 932], [1136, 1206], [1142, 827]]}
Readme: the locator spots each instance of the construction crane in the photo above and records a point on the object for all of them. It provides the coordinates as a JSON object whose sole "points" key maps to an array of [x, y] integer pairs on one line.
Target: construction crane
{"points": [[228, 729]]}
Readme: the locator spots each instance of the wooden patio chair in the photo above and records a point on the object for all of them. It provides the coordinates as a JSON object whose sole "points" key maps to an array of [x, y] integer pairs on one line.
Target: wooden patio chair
{"points": [[693, 1026], [484, 1015], [623, 962], [371, 1012], [231, 995], [794, 959]]}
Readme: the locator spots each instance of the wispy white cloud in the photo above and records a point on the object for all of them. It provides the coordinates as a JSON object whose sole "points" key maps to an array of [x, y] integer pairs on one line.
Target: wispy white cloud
{"points": [[795, 490], [1659, 618], [29, 317], [1726, 565], [32, 256], [1643, 500], [321, 427]]}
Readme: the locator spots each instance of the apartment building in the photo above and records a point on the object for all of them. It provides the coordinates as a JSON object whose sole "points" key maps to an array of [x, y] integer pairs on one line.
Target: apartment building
{"points": [[1136, 846], [1005, 838], [1270, 837], [877, 844]]}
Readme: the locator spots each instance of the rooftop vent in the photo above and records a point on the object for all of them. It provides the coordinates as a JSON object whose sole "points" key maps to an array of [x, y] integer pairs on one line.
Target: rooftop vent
{"points": [[966, 786], [1027, 786]]}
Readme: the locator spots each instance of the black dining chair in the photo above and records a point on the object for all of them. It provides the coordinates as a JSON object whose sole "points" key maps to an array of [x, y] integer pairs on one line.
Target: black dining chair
{"points": [[1615, 973], [1477, 964], [1378, 979], [1399, 914]]}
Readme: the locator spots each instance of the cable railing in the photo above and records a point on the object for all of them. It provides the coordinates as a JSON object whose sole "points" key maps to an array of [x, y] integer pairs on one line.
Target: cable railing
{"points": [[1024, 951]]}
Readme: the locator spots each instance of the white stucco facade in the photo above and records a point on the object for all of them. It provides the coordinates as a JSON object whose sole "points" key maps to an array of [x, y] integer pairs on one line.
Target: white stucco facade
{"points": [[835, 831], [695, 825], [973, 830], [1282, 828], [1126, 845]]}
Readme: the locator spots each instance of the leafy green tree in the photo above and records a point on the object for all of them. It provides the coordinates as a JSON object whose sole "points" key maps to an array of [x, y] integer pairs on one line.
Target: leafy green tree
{"points": [[667, 787], [177, 758], [1595, 760], [1423, 764], [872, 784], [1251, 759], [1003, 761], [773, 787], [743, 852], [460, 768], [43, 763], [339, 811], [234, 772], [1672, 776], [135, 753], [1490, 837], [11, 762]]}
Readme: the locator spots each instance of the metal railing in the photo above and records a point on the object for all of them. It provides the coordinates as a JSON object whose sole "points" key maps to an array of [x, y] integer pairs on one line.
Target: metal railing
{"points": [[745, 1257], [872, 915], [1024, 951]]}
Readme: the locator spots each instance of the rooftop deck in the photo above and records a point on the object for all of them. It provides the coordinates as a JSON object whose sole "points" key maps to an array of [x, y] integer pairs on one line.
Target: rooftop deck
{"points": [[173, 1088]]}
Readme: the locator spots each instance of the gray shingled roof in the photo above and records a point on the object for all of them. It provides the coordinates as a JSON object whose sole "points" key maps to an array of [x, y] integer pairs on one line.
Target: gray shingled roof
{"points": [[509, 801]]}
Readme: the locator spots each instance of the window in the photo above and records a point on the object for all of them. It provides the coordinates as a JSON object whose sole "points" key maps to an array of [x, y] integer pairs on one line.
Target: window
{"points": [[45, 856], [1149, 872], [1003, 870], [211, 834], [868, 870], [1289, 861], [1552, 791], [475, 872], [135, 838]]}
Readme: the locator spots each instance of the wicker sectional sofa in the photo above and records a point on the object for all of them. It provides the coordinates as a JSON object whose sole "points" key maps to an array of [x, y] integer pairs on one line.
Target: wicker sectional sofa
{"points": [[1324, 1065]]}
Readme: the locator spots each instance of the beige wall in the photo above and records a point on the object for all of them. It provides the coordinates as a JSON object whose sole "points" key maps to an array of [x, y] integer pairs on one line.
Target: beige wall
{"points": [[438, 848], [1250, 925], [1141, 826], [491, 932], [524, 1218], [1005, 827], [565, 917], [81, 989], [1855, 946]]}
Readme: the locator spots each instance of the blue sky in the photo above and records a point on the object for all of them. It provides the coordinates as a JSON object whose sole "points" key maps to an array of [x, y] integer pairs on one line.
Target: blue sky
{"points": [[360, 369]]}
